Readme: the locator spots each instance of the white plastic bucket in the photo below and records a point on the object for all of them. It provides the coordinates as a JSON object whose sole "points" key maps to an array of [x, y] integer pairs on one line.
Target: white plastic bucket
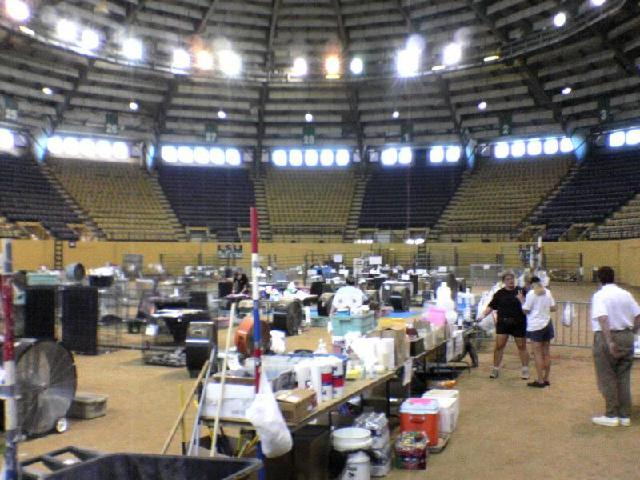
{"points": [[358, 467], [351, 439]]}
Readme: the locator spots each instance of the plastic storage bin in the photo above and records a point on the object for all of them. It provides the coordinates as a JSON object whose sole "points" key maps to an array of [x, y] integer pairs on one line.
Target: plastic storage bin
{"points": [[343, 323], [421, 415], [124, 466]]}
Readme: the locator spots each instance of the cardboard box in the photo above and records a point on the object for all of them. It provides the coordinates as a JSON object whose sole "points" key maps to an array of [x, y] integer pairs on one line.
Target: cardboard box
{"points": [[235, 402], [296, 404], [401, 350]]}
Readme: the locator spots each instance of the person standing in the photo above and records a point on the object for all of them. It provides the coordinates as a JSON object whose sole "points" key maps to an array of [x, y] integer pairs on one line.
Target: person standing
{"points": [[538, 305], [511, 321], [615, 316]]}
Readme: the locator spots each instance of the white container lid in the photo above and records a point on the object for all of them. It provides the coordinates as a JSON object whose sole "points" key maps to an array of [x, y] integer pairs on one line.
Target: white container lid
{"points": [[351, 439]]}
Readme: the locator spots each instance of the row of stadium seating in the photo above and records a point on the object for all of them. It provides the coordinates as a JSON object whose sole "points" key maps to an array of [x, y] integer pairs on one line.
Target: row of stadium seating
{"points": [[127, 203]]}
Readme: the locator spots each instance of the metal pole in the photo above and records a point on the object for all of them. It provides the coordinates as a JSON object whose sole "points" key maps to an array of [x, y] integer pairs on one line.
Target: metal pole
{"points": [[10, 469], [257, 341]]}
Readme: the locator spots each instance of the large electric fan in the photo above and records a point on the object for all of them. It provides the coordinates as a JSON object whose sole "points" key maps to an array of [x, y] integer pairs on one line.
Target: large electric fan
{"points": [[46, 383], [287, 316]]}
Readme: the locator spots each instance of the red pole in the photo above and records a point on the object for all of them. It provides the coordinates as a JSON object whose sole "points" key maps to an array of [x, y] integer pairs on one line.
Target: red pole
{"points": [[10, 469]]}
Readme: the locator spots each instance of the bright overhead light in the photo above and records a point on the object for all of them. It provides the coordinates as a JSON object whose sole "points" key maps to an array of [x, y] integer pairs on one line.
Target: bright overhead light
{"points": [[133, 106], [47, 91], [356, 66], [389, 156], [518, 149], [295, 158], [6, 139], [436, 154], [408, 61], [230, 62], [103, 149], [453, 154], [70, 146], [87, 148], [222, 114], [120, 150], [185, 155], [201, 155], [342, 157], [566, 145], [534, 147], [437, 68], [217, 156], [559, 19], [566, 90], [633, 137], [405, 155], [89, 40], [326, 157], [26, 30], [232, 157], [491, 58], [332, 66], [181, 59], [617, 139], [132, 49], [299, 68], [55, 145], [452, 54], [395, 114], [308, 117], [279, 158], [482, 105], [17, 10], [550, 146], [311, 158], [598, 3], [66, 30], [204, 60], [501, 150]]}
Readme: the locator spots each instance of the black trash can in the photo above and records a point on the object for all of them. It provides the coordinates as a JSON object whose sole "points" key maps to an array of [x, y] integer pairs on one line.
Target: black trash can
{"points": [[129, 466]]}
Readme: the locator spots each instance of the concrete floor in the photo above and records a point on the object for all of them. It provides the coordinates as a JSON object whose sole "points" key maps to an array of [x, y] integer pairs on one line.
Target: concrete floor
{"points": [[506, 430]]}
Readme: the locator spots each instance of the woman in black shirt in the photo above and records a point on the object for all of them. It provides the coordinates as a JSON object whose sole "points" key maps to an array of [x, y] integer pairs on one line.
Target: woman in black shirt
{"points": [[511, 320]]}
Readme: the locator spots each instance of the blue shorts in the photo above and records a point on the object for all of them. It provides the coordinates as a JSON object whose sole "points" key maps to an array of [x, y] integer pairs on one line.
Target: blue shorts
{"points": [[545, 334]]}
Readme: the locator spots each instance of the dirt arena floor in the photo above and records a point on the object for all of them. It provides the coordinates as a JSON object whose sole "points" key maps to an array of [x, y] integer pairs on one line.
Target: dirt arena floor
{"points": [[505, 431]]}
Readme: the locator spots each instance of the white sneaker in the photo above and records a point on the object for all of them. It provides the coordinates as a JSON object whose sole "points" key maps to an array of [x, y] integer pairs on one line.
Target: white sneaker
{"points": [[495, 372], [625, 422], [524, 373], [606, 421]]}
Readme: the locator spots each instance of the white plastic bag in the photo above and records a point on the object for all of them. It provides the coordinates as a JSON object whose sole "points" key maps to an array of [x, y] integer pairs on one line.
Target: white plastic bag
{"points": [[264, 414], [568, 314]]}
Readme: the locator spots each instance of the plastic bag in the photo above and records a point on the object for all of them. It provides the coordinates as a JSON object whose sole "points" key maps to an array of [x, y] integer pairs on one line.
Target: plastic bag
{"points": [[264, 414], [568, 314]]}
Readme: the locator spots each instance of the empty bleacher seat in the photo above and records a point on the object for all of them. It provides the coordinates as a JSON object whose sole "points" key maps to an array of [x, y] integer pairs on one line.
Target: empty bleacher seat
{"points": [[398, 197], [121, 198], [216, 198], [26, 195], [604, 181]]}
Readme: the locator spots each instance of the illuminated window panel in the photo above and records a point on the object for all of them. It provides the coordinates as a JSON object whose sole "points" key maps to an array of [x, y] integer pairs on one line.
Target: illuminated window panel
{"points": [[389, 156], [453, 154], [342, 157], [326, 158], [436, 155]]}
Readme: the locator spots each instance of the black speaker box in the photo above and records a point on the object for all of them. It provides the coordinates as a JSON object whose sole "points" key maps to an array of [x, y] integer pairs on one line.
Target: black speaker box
{"points": [[201, 338], [80, 319], [40, 313]]}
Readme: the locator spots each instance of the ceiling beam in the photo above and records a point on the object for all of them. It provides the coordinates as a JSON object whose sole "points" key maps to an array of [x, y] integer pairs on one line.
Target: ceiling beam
{"points": [[529, 75], [621, 58], [208, 14], [411, 28], [264, 95], [351, 89], [269, 60], [62, 108], [160, 119], [443, 85], [132, 12]]}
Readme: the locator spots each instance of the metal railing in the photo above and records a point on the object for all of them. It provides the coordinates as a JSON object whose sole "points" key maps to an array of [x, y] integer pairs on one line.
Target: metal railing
{"points": [[579, 333]]}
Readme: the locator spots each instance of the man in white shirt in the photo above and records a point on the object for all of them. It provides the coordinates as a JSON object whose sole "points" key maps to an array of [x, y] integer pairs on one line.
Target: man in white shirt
{"points": [[538, 305], [615, 316]]}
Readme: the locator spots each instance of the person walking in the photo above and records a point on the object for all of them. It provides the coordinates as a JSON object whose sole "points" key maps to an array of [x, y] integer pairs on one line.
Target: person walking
{"points": [[538, 305], [615, 316], [511, 321]]}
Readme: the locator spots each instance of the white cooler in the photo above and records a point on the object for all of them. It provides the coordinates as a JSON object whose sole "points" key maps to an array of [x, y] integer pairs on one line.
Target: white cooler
{"points": [[449, 408]]}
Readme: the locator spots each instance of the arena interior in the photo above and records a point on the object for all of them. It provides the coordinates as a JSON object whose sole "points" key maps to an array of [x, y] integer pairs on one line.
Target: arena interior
{"points": [[408, 136]]}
